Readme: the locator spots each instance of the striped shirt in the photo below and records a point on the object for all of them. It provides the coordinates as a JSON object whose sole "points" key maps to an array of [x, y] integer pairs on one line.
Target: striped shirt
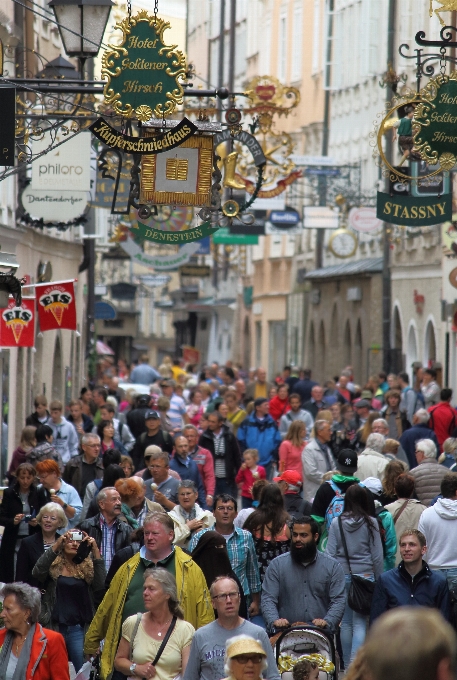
{"points": [[108, 536], [219, 455]]}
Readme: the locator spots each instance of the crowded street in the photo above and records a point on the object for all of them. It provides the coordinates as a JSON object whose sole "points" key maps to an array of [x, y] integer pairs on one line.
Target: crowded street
{"points": [[228, 340]]}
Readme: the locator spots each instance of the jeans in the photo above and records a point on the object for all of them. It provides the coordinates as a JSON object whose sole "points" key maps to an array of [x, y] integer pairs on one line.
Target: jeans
{"points": [[74, 640], [451, 577], [353, 626], [246, 502], [224, 485]]}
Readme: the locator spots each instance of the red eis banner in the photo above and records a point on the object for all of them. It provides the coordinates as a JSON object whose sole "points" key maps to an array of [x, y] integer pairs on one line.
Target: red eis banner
{"points": [[17, 324], [56, 306]]}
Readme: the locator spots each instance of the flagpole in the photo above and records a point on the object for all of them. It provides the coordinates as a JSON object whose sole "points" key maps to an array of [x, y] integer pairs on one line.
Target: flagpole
{"points": [[48, 283]]}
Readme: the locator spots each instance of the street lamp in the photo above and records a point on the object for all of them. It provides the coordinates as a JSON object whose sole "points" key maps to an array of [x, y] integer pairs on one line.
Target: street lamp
{"points": [[87, 20]]}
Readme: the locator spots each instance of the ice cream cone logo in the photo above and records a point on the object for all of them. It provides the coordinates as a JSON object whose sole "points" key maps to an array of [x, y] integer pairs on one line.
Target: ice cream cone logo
{"points": [[56, 302], [16, 319]]}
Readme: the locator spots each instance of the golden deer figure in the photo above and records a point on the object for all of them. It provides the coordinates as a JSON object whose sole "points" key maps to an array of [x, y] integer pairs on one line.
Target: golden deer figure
{"points": [[446, 6]]}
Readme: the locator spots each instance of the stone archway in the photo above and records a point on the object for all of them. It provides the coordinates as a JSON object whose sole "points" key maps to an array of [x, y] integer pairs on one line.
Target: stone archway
{"points": [[430, 345], [411, 352]]}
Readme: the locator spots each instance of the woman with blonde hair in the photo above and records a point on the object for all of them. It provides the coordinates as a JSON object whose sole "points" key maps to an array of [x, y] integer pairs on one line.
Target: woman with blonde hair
{"points": [[143, 634], [364, 432], [291, 448], [67, 603]]}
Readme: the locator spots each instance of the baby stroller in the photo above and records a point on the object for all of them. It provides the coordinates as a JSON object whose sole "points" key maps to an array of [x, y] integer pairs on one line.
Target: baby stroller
{"points": [[306, 642]]}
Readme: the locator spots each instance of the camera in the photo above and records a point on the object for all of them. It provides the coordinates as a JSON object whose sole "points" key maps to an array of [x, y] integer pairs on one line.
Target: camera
{"points": [[76, 536], [27, 518]]}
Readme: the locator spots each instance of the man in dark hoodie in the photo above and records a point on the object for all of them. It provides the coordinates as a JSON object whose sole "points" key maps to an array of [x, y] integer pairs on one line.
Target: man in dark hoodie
{"points": [[346, 467], [41, 415], [290, 484]]}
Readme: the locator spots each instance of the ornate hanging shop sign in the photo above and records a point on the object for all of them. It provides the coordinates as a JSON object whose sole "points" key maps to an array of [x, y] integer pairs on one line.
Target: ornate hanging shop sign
{"points": [[141, 231], [143, 73], [160, 262], [435, 120], [410, 211], [142, 145]]}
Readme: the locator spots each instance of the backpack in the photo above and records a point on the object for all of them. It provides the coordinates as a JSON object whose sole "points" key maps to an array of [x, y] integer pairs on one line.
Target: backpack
{"points": [[166, 436], [420, 401], [379, 510], [336, 505]]}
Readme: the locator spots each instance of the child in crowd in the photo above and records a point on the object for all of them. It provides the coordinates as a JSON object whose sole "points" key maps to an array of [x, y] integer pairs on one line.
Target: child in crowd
{"points": [[305, 670], [249, 473]]}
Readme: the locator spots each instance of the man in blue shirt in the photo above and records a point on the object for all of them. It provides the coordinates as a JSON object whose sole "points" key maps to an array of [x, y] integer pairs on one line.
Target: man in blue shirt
{"points": [[187, 468], [259, 431], [412, 583], [143, 374]]}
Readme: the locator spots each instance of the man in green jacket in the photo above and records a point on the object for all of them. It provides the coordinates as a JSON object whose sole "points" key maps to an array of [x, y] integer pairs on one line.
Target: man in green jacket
{"points": [[125, 594]]}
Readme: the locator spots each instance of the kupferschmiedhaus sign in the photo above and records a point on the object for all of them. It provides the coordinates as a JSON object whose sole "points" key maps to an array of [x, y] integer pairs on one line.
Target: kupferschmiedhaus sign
{"points": [[435, 120], [143, 73]]}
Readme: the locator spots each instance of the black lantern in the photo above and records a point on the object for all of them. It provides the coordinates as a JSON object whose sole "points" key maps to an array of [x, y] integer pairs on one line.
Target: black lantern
{"points": [[86, 20]]}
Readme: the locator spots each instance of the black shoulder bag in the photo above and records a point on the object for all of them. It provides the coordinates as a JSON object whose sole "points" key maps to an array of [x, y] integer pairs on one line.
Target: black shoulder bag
{"points": [[361, 589]]}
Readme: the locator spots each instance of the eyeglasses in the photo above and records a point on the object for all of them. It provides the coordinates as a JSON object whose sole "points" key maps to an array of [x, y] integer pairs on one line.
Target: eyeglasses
{"points": [[53, 519], [156, 467], [93, 446], [223, 596], [245, 658], [221, 508]]}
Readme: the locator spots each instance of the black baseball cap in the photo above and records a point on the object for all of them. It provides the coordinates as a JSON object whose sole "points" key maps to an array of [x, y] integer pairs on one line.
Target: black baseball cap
{"points": [[259, 401], [347, 461], [152, 414]]}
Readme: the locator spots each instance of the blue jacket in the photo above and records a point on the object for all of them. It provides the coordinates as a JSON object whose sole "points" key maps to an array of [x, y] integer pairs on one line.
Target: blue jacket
{"points": [[410, 437], [396, 588], [191, 472], [262, 435]]}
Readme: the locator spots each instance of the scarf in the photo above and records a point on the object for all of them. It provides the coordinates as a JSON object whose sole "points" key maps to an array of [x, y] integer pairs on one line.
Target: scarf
{"points": [[188, 516], [24, 657], [129, 516], [85, 570]]}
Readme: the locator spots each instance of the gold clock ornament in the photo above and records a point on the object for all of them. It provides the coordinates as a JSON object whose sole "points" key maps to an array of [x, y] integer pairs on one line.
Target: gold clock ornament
{"points": [[343, 243]]}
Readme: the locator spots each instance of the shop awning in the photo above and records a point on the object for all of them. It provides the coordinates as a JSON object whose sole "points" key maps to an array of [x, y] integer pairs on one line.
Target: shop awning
{"points": [[371, 265]]}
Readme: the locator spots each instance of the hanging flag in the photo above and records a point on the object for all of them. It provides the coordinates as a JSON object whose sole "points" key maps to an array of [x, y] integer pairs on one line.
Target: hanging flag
{"points": [[17, 324], [56, 305]]}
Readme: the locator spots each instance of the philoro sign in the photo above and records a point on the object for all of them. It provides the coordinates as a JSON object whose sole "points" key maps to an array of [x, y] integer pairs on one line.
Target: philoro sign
{"points": [[65, 167]]}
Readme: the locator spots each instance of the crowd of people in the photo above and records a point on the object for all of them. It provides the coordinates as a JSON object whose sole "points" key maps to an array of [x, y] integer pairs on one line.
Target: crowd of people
{"points": [[173, 530]]}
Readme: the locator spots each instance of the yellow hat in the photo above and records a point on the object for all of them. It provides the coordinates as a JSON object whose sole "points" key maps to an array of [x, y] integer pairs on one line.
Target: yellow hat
{"points": [[244, 646]]}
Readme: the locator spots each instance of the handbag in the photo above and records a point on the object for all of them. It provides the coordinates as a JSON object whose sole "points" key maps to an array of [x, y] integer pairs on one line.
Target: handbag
{"points": [[164, 641], [361, 589]]}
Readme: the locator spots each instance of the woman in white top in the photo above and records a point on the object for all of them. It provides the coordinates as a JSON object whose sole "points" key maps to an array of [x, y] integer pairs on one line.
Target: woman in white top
{"points": [[143, 634], [188, 516]]}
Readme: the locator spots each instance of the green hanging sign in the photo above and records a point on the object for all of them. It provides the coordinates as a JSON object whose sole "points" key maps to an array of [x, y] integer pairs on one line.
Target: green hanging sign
{"points": [[412, 211], [145, 232], [143, 73], [435, 122]]}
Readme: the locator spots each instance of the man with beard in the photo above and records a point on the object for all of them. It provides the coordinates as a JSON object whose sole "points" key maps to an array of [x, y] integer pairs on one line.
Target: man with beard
{"points": [[321, 598]]}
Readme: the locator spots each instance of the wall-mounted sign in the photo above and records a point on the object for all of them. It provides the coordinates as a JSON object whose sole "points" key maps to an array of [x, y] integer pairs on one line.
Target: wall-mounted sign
{"points": [[364, 220], [160, 262], [453, 277], [7, 126], [435, 119], [320, 217], [56, 306], [145, 232], [284, 219], [65, 167], [143, 145], [182, 176], [17, 324], [412, 211], [54, 206], [225, 237], [105, 310], [195, 270], [143, 73], [155, 281]]}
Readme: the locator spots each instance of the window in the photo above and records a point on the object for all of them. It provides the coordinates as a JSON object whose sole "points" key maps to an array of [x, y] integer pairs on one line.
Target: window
{"points": [[296, 43], [282, 49]]}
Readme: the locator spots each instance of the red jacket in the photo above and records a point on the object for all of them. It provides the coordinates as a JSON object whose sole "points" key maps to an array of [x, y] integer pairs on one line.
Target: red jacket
{"points": [[278, 407], [49, 658], [247, 479], [443, 421], [205, 463]]}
